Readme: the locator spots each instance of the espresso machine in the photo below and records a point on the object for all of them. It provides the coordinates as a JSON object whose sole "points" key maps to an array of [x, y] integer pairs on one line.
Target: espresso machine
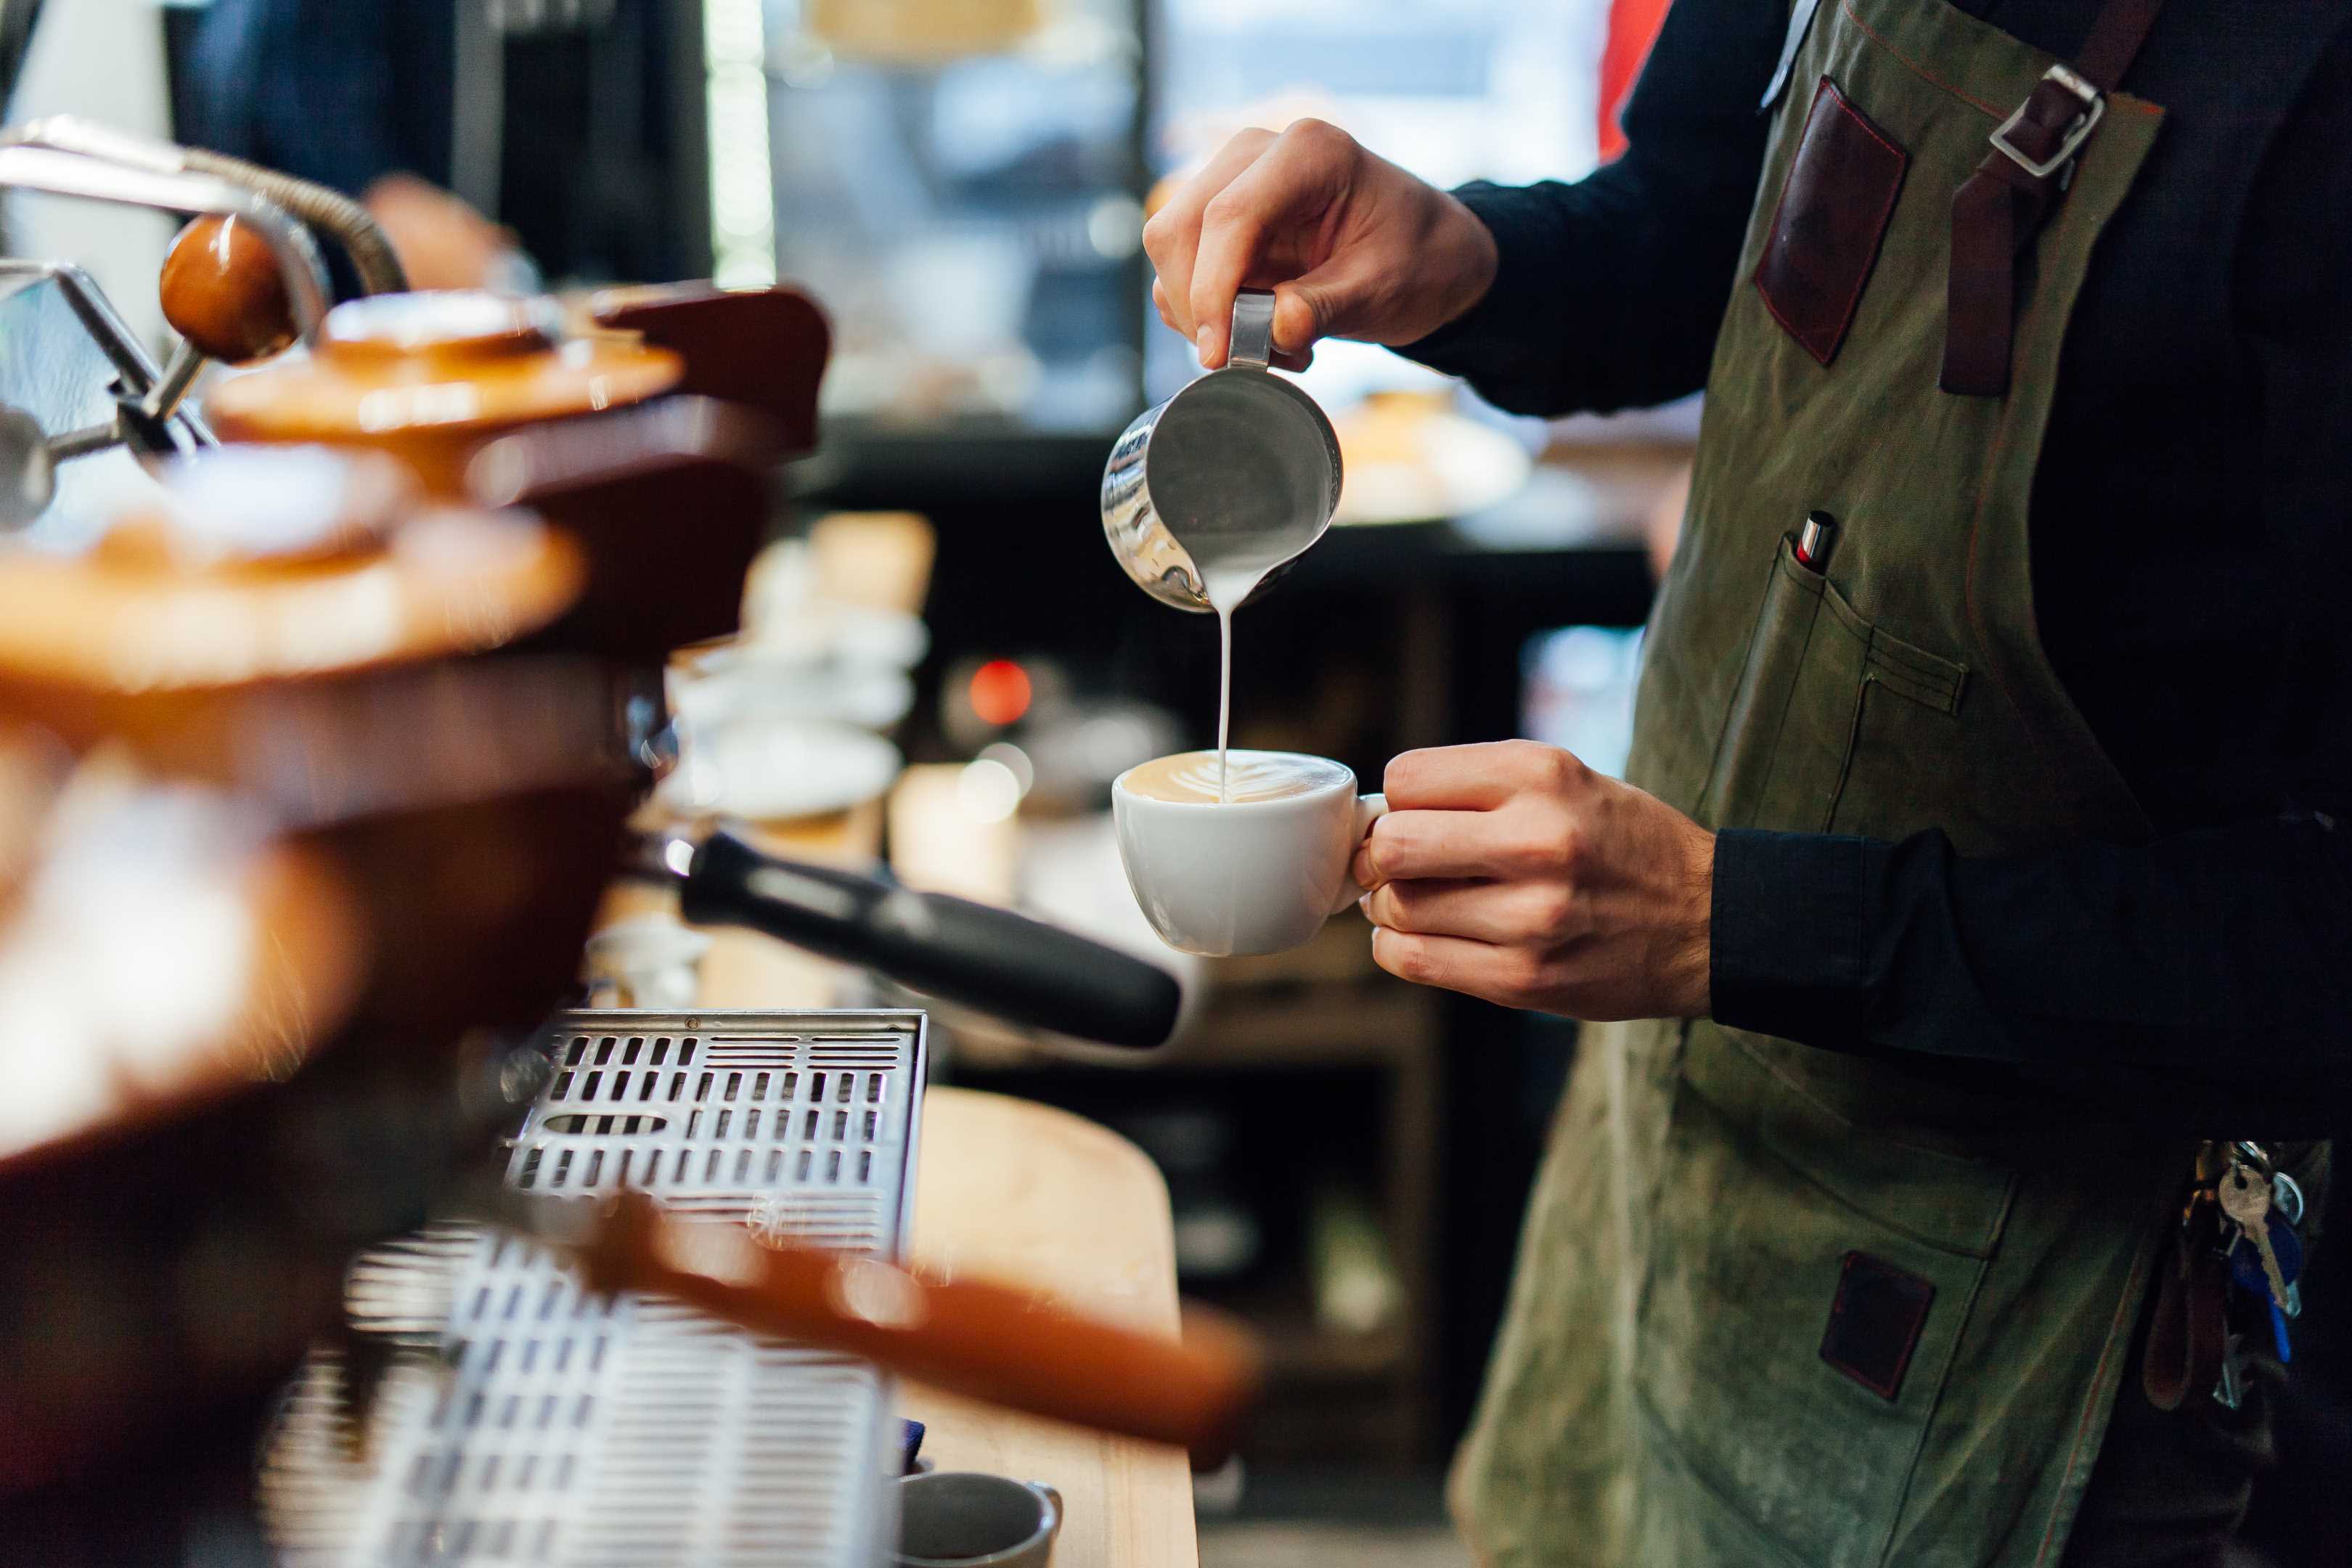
{"points": [[321, 731]]}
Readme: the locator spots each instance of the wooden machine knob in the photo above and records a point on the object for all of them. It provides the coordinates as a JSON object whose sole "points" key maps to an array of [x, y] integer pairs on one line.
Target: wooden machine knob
{"points": [[222, 290]]}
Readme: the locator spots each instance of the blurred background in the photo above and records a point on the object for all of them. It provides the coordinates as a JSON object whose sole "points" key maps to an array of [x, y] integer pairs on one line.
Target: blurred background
{"points": [[962, 184]]}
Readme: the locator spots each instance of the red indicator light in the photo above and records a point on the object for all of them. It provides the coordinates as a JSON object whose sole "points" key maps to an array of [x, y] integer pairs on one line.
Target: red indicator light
{"points": [[1000, 693]]}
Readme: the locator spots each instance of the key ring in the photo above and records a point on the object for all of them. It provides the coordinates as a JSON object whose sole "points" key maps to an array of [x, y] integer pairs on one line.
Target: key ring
{"points": [[2286, 1197]]}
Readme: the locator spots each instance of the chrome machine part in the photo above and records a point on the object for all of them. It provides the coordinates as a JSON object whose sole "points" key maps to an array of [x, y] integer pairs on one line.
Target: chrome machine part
{"points": [[321, 208], [29, 462], [1239, 465], [522, 1418], [67, 401], [28, 473], [28, 163], [79, 383]]}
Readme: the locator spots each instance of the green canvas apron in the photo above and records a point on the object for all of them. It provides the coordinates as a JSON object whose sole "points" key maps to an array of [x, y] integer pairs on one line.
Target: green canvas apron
{"points": [[1659, 1396]]}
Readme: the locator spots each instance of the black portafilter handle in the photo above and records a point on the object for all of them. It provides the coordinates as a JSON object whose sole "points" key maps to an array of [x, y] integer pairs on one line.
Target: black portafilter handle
{"points": [[1021, 969]]}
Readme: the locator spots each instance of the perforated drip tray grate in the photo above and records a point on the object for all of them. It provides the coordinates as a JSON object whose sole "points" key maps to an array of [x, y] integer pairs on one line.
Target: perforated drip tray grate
{"points": [[521, 1420]]}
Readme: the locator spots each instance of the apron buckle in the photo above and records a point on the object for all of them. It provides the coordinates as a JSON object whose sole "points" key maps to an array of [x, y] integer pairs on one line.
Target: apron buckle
{"points": [[2094, 108]]}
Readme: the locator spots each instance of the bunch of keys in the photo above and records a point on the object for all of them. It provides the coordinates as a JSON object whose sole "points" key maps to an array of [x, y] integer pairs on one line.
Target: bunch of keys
{"points": [[2260, 1209]]}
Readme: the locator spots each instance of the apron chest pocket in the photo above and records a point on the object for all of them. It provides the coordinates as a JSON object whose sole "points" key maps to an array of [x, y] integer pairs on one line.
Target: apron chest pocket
{"points": [[1816, 676], [1832, 213]]}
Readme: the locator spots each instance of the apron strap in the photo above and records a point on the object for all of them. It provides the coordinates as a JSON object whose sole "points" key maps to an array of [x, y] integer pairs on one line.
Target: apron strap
{"points": [[1999, 209], [2187, 1339]]}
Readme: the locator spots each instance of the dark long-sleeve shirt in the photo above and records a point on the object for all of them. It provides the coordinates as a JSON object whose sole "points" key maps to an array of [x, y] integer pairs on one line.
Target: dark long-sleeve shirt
{"points": [[323, 90], [2191, 528]]}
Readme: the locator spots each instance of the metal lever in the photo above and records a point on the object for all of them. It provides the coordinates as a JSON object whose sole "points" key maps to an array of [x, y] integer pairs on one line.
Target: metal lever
{"points": [[327, 210], [146, 401], [33, 168], [30, 459], [148, 415], [1019, 969]]}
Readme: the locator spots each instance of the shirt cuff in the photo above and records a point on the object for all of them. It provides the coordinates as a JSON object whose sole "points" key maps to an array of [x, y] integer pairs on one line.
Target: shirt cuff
{"points": [[1498, 325], [1787, 935]]}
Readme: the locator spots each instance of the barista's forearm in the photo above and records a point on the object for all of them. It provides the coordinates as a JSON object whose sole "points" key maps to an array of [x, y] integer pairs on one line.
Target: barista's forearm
{"points": [[2225, 952], [1609, 291]]}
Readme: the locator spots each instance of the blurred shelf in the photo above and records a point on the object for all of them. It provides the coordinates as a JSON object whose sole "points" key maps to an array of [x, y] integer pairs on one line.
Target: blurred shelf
{"points": [[1585, 510], [1306, 1351], [1333, 1396], [875, 465], [1342, 950], [1301, 1350], [1307, 1024]]}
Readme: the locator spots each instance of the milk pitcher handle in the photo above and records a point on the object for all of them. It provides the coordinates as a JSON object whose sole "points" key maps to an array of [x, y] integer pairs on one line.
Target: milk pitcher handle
{"points": [[1252, 335]]}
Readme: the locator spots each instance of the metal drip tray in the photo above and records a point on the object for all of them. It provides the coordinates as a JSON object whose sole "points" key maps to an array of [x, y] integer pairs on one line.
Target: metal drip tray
{"points": [[517, 1420]]}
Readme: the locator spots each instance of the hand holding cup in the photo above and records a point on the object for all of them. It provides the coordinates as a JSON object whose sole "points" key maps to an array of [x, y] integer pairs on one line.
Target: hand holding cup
{"points": [[1515, 873]]}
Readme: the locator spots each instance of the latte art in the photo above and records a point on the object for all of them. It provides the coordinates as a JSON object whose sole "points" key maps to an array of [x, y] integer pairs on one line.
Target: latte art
{"points": [[1192, 777]]}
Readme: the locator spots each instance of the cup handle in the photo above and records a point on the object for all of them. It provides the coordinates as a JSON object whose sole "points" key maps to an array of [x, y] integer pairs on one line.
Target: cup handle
{"points": [[1370, 808], [1250, 346], [1053, 1495]]}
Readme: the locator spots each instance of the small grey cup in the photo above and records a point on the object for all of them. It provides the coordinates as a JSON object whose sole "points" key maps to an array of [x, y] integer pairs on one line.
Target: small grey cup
{"points": [[962, 1518]]}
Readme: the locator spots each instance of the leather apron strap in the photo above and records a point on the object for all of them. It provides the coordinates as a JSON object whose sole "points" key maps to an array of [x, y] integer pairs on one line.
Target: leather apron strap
{"points": [[1999, 209], [2188, 1336]]}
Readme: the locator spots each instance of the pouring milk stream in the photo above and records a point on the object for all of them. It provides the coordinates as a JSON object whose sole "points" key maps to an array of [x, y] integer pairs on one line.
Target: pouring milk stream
{"points": [[1228, 584], [1217, 490]]}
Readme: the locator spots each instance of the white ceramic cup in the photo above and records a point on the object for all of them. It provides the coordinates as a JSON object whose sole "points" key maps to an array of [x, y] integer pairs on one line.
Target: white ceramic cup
{"points": [[1246, 876]]}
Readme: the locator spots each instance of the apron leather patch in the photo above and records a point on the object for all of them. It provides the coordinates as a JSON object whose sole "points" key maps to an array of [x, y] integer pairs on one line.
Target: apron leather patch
{"points": [[1833, 211], [1875, 1323]]}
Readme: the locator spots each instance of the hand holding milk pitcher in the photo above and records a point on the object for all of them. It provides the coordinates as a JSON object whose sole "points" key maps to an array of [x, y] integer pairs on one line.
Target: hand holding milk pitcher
{"points": [[1205, 499]]}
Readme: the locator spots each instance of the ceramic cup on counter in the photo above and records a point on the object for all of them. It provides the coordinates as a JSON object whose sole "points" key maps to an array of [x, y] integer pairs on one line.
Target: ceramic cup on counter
{"points": [[646, 961], [1259, 871], [961, 1519], [806, 788]]}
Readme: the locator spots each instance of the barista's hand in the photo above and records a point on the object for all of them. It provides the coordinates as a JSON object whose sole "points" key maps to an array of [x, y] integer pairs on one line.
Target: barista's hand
{"points": [[1352, 245], [1514, 872], [442, 242]]}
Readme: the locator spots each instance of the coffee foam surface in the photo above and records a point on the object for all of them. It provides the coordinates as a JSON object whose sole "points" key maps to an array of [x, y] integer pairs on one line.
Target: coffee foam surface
{"points": [[1190, 777]]}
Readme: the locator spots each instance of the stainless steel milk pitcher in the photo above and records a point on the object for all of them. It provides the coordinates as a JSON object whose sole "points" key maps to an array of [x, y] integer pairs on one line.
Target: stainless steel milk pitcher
{"points": [[1241, 463]]}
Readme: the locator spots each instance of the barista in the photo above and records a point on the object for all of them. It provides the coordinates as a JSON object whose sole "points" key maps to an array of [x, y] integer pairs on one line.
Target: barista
{"points": [[1987, 848]]}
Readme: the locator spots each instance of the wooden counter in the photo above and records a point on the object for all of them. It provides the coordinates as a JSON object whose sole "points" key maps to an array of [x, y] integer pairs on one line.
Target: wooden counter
{"points": [[1023, 1192]]}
